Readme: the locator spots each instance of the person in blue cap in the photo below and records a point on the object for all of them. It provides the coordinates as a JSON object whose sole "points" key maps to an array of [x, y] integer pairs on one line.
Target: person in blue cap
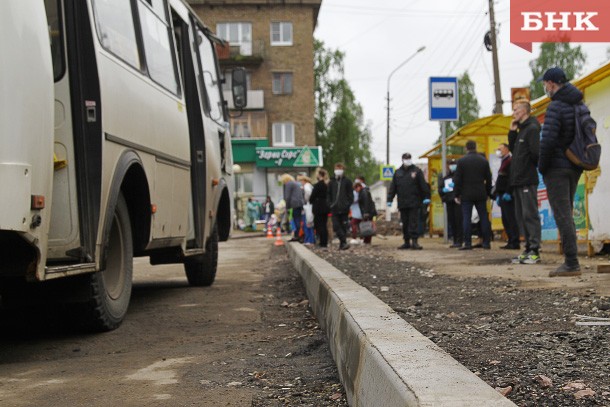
{"points": [[559, 174]]}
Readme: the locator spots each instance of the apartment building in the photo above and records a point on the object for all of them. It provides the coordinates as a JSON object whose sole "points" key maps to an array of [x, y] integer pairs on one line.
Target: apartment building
{"points": [[273, 40]]}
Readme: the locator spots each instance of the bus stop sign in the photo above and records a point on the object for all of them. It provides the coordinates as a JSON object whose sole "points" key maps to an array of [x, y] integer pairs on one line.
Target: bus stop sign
{"points": [[444, 100]]}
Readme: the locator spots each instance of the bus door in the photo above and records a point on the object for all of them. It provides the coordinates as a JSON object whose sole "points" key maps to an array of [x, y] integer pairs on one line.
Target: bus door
{"points": [[184, 45], [78, 138]]}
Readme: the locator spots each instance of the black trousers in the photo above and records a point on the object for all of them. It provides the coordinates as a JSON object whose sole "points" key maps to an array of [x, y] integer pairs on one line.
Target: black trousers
{"points": [[340, 225], [319, 224], [454, 217], [561, 186], [410, 222], [509, 221]]}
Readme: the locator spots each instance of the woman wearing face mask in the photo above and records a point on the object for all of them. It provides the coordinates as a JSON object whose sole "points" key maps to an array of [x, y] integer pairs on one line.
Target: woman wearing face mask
{"points": [[454, 210]]}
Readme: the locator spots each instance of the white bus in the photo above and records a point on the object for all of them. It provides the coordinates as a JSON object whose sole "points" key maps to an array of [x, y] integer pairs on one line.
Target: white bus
{"points": [[114, 143]]}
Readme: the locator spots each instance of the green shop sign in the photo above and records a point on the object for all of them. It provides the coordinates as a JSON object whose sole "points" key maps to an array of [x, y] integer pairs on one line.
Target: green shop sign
{"points": [[289, 156]]}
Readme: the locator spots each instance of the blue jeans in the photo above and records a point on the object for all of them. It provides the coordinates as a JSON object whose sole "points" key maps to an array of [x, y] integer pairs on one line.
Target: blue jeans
{"points": [[481, 207], [297, 216]]}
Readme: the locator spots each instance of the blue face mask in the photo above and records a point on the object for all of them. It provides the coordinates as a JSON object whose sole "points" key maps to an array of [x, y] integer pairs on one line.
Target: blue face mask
{"points": [[452, 167]]}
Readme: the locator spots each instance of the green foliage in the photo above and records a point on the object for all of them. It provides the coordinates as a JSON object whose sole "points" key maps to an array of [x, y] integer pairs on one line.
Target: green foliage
{"points": [[468, 103], [561, 54], [340, 128]]}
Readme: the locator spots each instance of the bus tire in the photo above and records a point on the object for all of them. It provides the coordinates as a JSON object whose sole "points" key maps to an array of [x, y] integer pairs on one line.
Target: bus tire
{"points": [[202, 271], [110, 289]]}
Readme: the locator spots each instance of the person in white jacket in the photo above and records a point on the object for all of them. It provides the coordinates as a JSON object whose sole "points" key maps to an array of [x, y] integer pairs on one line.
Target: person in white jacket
{"points": [[308, 221]]}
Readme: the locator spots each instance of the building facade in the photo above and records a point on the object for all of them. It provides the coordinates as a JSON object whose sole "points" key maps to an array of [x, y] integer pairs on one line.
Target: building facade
{"points": [[275, 134]]}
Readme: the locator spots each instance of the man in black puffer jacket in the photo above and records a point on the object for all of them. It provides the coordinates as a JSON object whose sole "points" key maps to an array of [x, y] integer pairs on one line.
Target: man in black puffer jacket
{"points": [[560, 175]]}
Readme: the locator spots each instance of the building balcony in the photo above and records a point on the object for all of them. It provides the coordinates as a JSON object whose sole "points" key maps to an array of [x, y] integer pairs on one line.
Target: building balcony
{"points": [[256, 99], [249, 54]]}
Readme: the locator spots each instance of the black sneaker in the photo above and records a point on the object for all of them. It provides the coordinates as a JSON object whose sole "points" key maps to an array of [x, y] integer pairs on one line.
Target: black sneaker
{"points": [[343, 246], [566, 271], [468, 247], [455, 246], [510, 247], [404, 246]]}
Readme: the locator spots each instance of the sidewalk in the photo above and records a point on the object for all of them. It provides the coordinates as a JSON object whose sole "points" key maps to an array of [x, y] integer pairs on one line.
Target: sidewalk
{"points": [[496, 263]]}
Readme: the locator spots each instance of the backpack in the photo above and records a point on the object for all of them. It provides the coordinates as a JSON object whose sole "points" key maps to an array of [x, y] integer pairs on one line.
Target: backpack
{"points": [[584, 151]]}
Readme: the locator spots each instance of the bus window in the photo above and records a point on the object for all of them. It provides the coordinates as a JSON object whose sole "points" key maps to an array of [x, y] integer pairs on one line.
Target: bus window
{"points": [[210, 77], [158, 47], [115, 29], [56, 37]]}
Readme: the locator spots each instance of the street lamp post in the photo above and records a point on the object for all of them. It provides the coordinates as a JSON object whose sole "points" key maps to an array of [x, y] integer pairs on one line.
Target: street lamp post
{"points": [[388, 96]]}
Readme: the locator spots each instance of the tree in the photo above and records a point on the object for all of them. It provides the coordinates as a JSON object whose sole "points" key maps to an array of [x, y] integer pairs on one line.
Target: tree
{"points": [[561, 54], [468, 104], [468, 109], [340, 127]]}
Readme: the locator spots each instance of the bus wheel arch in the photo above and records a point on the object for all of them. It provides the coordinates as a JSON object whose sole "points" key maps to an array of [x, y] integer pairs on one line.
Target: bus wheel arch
{"points": [[126, 222]]}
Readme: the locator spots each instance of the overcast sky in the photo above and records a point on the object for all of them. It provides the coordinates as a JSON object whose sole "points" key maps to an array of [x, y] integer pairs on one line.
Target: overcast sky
{"points": [[377, 36]]}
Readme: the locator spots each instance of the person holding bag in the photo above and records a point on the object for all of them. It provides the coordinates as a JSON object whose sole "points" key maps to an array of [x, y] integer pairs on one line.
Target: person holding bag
{"points": [[368, 211]]}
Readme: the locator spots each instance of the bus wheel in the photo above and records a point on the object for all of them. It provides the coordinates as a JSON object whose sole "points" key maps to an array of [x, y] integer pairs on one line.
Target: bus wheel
{"points": [[110, 289], [202, 271]]}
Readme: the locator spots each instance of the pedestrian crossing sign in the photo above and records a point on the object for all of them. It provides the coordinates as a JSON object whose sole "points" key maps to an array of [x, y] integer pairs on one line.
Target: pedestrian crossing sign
{"points": [[386, 172]]}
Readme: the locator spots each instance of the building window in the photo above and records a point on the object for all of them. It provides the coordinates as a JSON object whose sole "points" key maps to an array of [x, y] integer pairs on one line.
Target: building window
{"points": [[244, 182], [239, 34], [282, 83], [283, 134], [228, 80], [281, 33], [241, 129]]}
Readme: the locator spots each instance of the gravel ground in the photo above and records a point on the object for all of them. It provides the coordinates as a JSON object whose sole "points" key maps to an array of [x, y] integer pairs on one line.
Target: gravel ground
{"points": [[296, 367], [522, 342]]}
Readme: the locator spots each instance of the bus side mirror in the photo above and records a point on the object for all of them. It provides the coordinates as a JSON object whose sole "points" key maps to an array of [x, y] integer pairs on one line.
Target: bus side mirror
{"points": [[239, 88]]}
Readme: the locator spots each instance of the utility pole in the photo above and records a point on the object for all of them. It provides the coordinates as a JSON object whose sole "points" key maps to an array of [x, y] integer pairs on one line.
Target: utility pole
{"points": [[494, 52]]}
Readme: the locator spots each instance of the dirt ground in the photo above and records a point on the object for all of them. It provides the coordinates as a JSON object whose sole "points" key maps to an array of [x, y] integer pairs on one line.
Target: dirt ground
{"points": [[249, 340], [510, 324]]}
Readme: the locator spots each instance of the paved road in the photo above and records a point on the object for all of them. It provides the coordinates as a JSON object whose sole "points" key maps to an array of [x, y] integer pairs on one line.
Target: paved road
{"points": [[178, 346]]}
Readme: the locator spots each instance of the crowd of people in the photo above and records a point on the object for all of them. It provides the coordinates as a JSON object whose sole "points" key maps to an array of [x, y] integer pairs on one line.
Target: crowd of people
{"points": [[467, 184]]}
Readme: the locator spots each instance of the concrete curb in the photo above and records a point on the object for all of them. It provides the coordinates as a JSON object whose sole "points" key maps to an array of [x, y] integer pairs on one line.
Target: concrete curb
{"points": [[382, 360]]}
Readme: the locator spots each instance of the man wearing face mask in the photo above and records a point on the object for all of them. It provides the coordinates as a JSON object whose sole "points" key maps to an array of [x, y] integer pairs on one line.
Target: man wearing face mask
{"points": [[412, 190], [524, 143], [340, 197], [504, 198], [454, 210], [560, 175]]}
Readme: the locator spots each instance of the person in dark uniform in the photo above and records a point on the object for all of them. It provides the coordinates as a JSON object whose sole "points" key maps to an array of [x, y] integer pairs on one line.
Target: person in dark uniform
{"points": [[454, 210], [472, 188], [409, 185]]}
